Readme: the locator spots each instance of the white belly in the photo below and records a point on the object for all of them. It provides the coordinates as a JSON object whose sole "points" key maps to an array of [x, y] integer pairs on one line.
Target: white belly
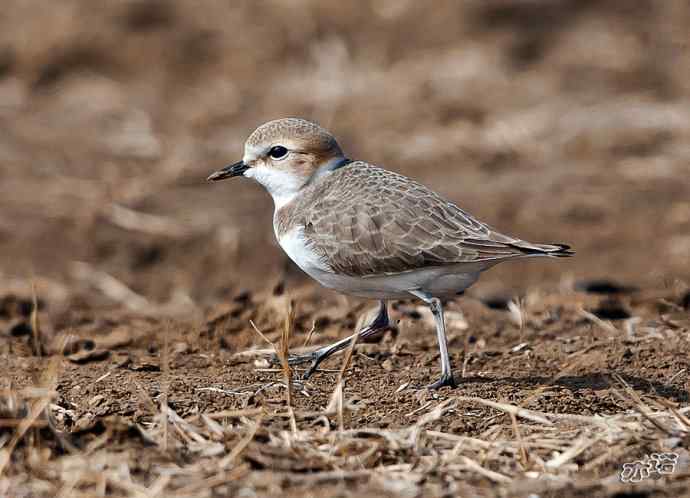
{"points": [[444, 281]]}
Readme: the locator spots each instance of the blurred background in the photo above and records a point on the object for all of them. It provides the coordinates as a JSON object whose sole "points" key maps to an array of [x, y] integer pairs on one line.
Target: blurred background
{"points": [[555, 120]]}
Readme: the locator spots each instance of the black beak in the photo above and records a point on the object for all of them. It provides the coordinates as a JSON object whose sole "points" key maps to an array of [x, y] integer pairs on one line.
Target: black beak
{"points": [[236, 169]]}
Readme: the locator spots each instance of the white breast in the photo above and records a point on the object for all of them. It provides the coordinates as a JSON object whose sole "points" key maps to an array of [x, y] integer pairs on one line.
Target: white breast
{"points": [[295, 246], [437, 281]]}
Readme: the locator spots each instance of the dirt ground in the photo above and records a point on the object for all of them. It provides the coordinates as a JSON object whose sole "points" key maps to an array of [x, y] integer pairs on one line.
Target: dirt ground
{"points": [[131, 291]]}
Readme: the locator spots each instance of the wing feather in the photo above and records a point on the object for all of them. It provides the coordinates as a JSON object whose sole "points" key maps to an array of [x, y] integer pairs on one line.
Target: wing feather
{"points": [[363, 221]]}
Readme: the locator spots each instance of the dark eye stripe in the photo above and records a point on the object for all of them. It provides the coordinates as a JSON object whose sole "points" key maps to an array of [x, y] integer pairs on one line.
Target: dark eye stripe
{"points": [[277, 151]]}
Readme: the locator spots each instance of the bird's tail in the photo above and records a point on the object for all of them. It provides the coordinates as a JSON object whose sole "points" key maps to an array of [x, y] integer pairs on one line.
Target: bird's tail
{"points": [[551, 250]]}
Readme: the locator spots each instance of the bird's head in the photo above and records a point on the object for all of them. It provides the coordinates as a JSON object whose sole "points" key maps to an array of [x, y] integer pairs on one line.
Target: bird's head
{"points": [[284, 155]]}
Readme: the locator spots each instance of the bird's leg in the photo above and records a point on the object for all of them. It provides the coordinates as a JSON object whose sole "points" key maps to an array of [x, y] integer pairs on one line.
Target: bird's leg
{"points": [[379, 322], [437, 311]]}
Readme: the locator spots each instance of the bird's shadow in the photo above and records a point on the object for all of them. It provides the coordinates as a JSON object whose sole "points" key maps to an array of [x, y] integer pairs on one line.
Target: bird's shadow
{"points": [[593, 381]]}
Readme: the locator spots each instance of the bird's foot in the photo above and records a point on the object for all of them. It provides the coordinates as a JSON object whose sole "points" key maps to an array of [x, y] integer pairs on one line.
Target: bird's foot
{"points": [[299, 359], [294, 359], [445, 380], [312, 368]]}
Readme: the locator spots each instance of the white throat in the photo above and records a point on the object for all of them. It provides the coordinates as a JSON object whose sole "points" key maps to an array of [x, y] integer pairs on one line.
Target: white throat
{"points": [[282, 186]]}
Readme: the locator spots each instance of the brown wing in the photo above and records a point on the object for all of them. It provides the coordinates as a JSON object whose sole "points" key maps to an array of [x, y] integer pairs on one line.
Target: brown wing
{"points": [[363, 220]]}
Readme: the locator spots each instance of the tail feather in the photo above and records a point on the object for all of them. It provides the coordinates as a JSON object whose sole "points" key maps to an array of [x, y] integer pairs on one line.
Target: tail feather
{"points": [[552, 250]]}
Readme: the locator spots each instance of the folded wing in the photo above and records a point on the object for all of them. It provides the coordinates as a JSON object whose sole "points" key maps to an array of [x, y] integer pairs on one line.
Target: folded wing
{"points": [[369, 221]]}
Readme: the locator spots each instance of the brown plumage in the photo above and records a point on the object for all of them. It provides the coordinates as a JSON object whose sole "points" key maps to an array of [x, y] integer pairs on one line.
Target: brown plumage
{"points": [[303, 135], [369, 232], [363, 221]]}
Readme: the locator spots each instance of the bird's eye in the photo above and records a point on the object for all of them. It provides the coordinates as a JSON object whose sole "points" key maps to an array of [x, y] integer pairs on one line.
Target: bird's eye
{"points": [[278, 152]]}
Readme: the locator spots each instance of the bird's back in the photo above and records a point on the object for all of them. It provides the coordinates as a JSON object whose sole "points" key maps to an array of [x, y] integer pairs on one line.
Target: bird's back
{"points": [[362, 220]]}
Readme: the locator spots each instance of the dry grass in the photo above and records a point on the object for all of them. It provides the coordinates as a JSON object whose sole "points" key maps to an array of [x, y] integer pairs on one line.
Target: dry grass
{"points": [[573, 129], [405, 459], [249, 449]]}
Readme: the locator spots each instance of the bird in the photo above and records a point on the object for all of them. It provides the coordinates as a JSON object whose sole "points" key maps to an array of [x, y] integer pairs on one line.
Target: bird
{"points": [[365, 231]]}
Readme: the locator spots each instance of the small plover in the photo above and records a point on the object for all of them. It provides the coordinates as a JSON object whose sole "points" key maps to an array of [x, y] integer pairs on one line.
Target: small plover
{"points": [[365, 231]]}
